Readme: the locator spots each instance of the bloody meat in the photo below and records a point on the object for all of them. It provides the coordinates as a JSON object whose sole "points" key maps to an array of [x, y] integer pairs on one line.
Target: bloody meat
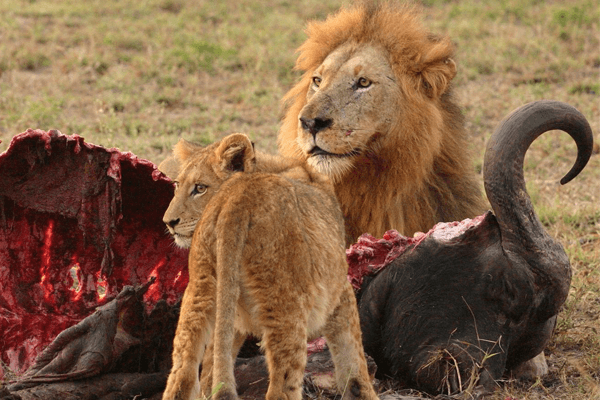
{"points": [[78, 222]]}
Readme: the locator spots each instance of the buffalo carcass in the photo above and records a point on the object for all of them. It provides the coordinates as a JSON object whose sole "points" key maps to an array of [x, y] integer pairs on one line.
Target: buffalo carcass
{"points": [[457, 309]]}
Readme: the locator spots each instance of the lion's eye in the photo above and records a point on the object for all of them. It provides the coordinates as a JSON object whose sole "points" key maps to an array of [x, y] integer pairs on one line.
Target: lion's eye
{"points": [[363, 82], [199, 189], [317, 81]]}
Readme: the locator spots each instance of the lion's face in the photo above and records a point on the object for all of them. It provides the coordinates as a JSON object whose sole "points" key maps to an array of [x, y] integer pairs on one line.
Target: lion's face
{"points": [[194, 187], [203, 171], [374, 111], [351, 101]]}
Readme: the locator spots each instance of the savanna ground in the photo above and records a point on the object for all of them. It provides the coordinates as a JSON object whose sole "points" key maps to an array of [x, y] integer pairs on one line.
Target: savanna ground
{"points": [[139, 74]]}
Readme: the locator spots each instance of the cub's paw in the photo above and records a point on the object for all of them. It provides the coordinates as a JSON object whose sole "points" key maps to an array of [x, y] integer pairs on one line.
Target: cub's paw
{"points": [[225, 394], [356, 390], [182, 385]]}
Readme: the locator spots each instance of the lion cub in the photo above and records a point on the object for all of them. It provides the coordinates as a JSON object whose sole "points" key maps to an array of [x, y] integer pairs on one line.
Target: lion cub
{"points": [[267, 258]]}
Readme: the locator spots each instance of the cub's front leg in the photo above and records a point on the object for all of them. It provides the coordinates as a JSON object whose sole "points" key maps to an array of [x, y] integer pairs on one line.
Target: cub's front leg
{"points": [[206, 377], [194, 329]]}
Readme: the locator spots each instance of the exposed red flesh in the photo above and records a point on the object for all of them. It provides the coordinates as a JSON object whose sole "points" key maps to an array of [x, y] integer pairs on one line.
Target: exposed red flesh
{"points": [[72, 209], [370, 255]]}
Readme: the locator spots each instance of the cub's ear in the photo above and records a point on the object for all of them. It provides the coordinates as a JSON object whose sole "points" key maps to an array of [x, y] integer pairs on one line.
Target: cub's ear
{"points": [[236, 153], [184, 149], [181, 152], [437, 69], [170, 167]]}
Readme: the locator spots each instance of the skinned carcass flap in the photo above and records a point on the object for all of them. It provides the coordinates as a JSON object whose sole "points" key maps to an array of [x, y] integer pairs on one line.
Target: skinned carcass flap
{"points": [[78, 222]]}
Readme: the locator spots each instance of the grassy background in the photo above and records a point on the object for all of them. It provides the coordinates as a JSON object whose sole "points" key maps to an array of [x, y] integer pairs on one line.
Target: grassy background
{"points": [[139, 74]]}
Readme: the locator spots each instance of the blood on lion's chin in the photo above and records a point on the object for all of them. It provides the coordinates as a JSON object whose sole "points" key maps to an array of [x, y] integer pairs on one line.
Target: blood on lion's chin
{"points": [[374, 111]]}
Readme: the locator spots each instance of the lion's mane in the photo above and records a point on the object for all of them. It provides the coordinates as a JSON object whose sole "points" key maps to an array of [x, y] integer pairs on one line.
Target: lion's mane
{"points": [[419, 172]]}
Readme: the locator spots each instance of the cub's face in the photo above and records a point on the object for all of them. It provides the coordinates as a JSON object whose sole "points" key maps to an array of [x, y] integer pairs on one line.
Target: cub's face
{"points": [[351, 101], [202, 171], [195, 185]]}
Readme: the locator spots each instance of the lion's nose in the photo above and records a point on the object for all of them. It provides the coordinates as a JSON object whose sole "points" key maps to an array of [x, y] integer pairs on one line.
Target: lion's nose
{"points": [[172, 222], [315, 125]]}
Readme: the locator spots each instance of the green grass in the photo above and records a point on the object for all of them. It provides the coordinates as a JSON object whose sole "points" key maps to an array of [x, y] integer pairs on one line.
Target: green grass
{"points": [[140, 74], [115, 70]]}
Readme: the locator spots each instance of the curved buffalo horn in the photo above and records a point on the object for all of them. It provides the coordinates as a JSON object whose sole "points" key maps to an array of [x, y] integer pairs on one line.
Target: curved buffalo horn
{"points": [[524, 239]]}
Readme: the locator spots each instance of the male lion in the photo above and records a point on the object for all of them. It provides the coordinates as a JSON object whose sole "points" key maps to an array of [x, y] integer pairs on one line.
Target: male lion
{"points": [[374, 111], [267, 258]]}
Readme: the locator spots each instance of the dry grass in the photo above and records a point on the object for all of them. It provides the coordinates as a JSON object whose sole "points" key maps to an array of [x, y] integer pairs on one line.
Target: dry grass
{"points": [[140, 74]]}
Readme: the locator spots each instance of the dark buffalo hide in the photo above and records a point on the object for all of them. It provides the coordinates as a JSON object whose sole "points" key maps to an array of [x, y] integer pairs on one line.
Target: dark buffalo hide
{"points": [[467, 301]]}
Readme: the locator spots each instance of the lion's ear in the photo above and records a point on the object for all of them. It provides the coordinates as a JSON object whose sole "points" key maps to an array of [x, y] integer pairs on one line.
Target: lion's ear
{"points": [[437, 68], [184, 149], [236, 153], [181, 152], [436, 78], [170, 167]]}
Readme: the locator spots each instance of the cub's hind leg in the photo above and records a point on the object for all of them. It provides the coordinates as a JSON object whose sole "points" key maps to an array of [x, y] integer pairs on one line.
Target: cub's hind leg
{"points": [[229, 263], [343, 335], [194, 329], [284, 341]]}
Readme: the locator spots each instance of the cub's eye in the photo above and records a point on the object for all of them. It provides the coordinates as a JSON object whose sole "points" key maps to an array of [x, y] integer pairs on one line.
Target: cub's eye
{"points": [[363, 82], [316, 81], [199, 189]]}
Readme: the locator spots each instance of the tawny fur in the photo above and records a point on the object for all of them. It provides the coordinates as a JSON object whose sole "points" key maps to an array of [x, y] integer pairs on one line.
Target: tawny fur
{"points": [[398, 146], [267, 258]]}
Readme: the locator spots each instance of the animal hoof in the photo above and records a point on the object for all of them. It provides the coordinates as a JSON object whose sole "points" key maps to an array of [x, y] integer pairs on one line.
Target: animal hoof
{"points": [[531, 369]]}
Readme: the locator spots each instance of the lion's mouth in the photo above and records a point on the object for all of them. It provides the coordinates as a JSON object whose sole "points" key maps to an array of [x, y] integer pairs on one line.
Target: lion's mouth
{"points": [[317, 151], [183, 241]]}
